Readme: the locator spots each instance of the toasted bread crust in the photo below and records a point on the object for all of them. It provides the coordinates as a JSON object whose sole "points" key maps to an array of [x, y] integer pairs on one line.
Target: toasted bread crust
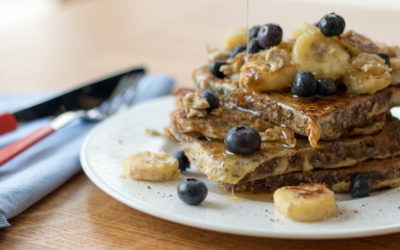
{"points": [[381, 174]]}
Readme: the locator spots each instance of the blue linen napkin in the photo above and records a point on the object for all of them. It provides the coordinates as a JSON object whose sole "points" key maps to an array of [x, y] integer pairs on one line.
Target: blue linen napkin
{"points": [[48, 164]]}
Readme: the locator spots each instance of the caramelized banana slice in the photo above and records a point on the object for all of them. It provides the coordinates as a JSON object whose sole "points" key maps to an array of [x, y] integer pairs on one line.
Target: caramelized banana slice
{"points": [[149, 166], [321, 55], [356, 43], [303, 28], [307, 202], [268, 71], [395, 65], [236, 37], [367, 74]]}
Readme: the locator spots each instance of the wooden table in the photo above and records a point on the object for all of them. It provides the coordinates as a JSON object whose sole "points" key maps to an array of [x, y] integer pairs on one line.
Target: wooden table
{"points": [[95, 38]]}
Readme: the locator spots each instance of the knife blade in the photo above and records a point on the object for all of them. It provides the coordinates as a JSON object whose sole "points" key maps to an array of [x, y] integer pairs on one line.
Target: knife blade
{"points": [[82, 98]]}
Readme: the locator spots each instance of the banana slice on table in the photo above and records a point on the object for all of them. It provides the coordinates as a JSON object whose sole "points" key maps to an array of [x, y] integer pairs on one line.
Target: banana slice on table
{"points": [[306, 202], [367, 74], [236, 37], [149, 166], [321, 55], [268, 71]]}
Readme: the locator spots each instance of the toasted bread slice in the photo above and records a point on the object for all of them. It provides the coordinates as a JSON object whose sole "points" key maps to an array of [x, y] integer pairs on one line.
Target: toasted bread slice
{"points": [[316, 119], [211, 158], [381, 174]]}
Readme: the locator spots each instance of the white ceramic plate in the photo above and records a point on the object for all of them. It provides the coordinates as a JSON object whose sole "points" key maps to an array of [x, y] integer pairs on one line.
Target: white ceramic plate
{"points": [[124, 134]]}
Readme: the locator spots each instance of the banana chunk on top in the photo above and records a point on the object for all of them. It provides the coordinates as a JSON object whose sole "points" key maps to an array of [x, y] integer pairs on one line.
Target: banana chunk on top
{"points": [[367, 74], [321, 55]]}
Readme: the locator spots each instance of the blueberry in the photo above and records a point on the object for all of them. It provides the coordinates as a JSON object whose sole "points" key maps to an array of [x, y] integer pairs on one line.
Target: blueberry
{"points": [[269, 35], [212, 99], [192, 191], [332, 24], [384, 57], [253, 46], [183, 160], [254, 31], [304, 85], [215, 69], [237, 50], [359, 186], [242, 140], [326, 87]]}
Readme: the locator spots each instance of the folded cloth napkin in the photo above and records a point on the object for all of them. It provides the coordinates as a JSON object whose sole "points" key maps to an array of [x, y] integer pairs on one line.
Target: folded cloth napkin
{"points": [[48, 164]]}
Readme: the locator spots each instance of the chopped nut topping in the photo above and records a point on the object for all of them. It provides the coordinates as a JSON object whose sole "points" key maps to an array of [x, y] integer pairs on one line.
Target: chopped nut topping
{"points": [[279, 134], [276, 58], [234, 65], [195, 105], [153, 132]]}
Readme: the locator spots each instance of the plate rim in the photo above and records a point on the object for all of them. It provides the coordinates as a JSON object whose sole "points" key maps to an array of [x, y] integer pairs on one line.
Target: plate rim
{"points": [[141, 206]]}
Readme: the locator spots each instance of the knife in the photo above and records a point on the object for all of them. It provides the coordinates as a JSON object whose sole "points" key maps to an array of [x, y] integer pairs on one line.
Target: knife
{"points": [[83, 98]]}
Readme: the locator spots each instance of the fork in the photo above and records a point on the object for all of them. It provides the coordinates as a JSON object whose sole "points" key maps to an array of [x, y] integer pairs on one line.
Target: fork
{"points": [[121, 98]]}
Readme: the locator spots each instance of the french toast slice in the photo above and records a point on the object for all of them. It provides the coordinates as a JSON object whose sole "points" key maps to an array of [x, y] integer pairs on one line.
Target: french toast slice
{"points": [[217, 123], [315, 119], [381, 174], [211, 157]]}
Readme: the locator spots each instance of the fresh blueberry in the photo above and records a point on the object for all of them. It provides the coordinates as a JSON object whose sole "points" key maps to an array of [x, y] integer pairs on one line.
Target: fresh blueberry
{"points": [[326, 87], [254, 31], [332, 24], [269, 35], [304, 85], [215, 69], [242, 140], [253, 46], [212, 99], [237, 50], [359, 186], [384, 57], [183, 160], [192, 191]]}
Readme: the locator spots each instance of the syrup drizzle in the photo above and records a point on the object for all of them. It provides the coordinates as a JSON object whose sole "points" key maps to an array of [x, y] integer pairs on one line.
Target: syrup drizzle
{"points": [[247, 27]]}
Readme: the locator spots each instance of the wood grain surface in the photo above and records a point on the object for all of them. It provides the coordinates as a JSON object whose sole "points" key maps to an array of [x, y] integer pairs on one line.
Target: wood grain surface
{"points": [[91, 39]]}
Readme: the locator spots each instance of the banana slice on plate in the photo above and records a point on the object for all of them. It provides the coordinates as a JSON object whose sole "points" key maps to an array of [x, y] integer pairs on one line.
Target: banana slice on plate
{"points": [[367, 74], [149, 166], [321, 55], [306, 202]]}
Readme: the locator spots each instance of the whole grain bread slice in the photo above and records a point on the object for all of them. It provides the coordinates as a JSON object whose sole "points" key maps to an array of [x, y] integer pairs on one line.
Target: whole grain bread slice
{"points": [[211, 157], [383, 173], [218, 122], [315, 119]]}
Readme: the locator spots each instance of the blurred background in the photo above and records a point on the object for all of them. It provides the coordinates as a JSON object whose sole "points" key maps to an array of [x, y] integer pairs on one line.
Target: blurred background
{"points": [[58, 44]]}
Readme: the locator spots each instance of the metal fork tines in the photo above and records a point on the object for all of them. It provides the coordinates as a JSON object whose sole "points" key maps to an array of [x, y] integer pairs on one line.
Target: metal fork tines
{"points": [[121, 98]]}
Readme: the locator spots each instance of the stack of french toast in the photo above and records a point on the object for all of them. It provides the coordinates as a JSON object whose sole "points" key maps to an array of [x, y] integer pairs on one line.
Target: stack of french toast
{"points": [[268, 112]]}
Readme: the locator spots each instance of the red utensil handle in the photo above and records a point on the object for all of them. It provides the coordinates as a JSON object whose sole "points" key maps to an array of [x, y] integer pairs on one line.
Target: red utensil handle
{"points": [[17, 147], [7, 123]]}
